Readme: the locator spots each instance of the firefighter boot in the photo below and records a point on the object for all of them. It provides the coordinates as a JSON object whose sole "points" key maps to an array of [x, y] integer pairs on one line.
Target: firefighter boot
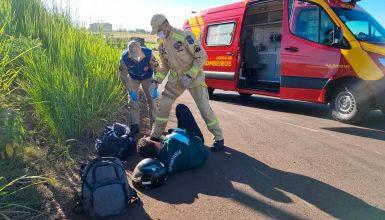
{"points": [[218, 145]]}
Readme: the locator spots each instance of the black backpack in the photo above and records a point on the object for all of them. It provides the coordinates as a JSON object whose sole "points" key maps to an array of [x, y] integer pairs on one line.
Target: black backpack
{"points": [[116, 141], [105, 189]]}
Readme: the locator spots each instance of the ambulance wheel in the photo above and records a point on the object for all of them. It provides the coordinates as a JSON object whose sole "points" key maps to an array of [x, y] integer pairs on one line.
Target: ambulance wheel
{"points": [[211, 92], [348, 105], [244, 94]]}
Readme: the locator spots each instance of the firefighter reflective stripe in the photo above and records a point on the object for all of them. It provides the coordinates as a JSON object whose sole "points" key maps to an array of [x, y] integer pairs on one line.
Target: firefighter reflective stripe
{"points": [[160, 120], [204, 84], [212, 124], [195, 70], [178, 36], [160, 75], [173, 73]]}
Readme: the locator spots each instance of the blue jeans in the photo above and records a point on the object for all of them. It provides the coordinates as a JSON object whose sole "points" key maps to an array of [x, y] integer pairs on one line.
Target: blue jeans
{"points": [[186, 121]]}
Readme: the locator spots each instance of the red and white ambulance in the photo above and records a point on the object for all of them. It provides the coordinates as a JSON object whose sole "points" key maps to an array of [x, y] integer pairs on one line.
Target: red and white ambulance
{"points": [[323, 51]]}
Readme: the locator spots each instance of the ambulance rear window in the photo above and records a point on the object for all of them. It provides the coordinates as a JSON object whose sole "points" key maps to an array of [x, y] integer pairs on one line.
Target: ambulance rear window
{"points": [[220, 34]]}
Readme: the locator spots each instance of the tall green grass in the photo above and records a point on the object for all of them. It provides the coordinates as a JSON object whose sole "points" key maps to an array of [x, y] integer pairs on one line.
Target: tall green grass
{"points": [[73, 83], [10, 209], [7, 75]]}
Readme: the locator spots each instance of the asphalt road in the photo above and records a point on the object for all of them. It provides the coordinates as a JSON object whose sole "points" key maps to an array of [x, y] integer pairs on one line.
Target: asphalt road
{"points": [[283, 160]]}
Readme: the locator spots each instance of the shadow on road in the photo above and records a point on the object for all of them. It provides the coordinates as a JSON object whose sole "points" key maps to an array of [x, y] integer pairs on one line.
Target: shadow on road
{"points": [[362, 132], [374, 120], [216, 176]]}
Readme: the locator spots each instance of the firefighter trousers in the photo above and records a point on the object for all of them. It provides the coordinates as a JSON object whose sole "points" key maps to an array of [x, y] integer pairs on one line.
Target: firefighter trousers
{"points": [[133, 100], [200, 95]]}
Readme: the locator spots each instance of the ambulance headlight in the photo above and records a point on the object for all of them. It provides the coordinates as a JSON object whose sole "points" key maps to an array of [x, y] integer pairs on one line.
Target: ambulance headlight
{"points": [[382, 61]]}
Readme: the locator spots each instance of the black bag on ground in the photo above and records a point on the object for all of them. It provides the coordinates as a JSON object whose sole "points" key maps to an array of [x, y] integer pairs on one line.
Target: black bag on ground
{"points": [[105, 189], [116, 141]]}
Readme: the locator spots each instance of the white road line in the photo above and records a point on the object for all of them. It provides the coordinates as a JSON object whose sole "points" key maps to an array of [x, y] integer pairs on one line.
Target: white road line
{"points": [[299, 126]]}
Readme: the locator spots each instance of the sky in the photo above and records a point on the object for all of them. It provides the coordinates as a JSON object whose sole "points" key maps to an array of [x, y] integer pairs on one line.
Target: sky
{"points": [[131, 14]]}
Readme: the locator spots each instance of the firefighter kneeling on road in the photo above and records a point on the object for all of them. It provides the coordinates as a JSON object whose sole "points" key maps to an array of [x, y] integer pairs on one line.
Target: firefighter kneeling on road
{"points": [[183, 57], [136, 68]]}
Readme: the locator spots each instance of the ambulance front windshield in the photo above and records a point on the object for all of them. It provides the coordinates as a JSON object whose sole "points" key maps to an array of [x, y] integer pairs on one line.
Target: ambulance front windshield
{"points": [[361, 24]]}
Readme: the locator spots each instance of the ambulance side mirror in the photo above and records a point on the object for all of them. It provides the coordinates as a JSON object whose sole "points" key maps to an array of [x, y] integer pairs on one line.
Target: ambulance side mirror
{"points": [[338, 37]]}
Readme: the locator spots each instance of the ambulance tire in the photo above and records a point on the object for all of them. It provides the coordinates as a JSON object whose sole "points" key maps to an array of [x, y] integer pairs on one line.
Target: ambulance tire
{"points": [[245, 95], [211, 92], [347, 105]]}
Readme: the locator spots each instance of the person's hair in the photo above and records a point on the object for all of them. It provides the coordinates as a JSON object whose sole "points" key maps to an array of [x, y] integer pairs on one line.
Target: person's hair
{"points": [[146, 148], [132, 44]]}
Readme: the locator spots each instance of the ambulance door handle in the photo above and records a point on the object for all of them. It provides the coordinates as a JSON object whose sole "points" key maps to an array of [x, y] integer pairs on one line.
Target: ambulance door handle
{"points": [[292, 49], [230, 53]]}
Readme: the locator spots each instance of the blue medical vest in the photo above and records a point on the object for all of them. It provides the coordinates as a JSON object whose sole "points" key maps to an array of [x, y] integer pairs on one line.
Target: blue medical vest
{"points": [[136, 69]]}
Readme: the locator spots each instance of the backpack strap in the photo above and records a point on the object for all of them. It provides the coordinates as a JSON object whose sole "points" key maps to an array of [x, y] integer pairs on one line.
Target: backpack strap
{"points": [[132, 195], [78, 207]]}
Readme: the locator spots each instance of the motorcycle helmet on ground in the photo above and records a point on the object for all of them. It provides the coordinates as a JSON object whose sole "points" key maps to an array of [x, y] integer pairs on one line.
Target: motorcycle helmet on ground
{"points": [[120, 129], [149, 173]]}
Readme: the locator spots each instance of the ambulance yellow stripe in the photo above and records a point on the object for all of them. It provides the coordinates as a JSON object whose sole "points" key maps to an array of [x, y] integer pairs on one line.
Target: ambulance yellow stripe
{"points": [[362, 63], [194, 26], [201, 23], [373, 48]]}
